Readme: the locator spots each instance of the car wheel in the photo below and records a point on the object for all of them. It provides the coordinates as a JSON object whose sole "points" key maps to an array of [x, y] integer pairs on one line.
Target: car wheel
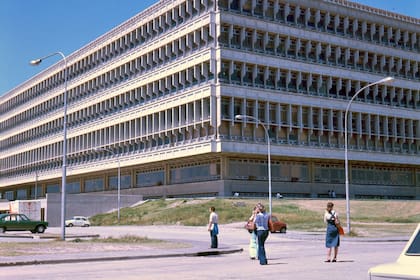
{"points": [[40, 229], [69, 225], [3, 230], [283, 230]]}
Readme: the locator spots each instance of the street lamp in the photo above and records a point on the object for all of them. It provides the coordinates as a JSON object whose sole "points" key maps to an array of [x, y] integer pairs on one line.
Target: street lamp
{"points": [[346, 164], [119, 179], [64, 175], [240, 117]]}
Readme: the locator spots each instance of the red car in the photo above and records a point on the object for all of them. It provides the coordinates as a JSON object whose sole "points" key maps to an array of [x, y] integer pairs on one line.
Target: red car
{"points": [[278, 226]]}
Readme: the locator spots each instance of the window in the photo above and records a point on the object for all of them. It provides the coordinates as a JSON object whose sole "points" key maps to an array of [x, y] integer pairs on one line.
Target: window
{"points": [[124, 184], [414, 248], [73, 187], [94, 185], [150, 178], [195, 173]]}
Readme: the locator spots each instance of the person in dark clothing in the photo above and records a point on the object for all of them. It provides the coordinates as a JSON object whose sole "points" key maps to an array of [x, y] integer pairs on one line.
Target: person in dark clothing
{"points": [[261, 223]]}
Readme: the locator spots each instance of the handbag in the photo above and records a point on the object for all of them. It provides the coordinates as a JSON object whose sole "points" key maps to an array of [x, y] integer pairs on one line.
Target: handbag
{"points": [[338, 225], [250, 226], [340, 229]]}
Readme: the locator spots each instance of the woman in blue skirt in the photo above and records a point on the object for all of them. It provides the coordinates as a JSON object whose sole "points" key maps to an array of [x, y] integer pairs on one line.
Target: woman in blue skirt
{"points": [[332, 238]]}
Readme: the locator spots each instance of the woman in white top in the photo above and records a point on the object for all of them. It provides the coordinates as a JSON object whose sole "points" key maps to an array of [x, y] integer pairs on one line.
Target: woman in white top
{"points": [[213, 227], [332, 237], [253, 242]]}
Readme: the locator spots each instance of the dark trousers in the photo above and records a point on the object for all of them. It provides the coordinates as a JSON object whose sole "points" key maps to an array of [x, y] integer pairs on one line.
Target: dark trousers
{"points": [[213, 238], [262, 237]]}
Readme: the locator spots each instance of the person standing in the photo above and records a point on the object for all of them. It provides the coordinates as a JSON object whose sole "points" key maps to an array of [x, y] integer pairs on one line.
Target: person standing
{"points": [[332, 238], [213, 227], [253, 246], [261, 223]]}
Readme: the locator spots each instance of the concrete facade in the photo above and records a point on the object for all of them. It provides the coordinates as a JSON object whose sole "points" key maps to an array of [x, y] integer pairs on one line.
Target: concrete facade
{"points": [[158, 96], [85, 205]]}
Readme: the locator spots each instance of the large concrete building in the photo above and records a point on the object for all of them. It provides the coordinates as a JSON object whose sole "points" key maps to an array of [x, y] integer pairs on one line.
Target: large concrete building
{"points": [[159, 95]]}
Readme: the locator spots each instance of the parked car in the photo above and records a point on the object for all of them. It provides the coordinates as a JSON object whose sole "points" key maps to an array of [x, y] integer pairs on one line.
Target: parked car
{"points": [[278, 226], [78, 221], [20, 222], [407, 264]]}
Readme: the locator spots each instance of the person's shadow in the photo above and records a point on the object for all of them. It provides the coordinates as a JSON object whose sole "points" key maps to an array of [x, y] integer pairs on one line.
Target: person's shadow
{"points": [[270, 261], [274, 261]]}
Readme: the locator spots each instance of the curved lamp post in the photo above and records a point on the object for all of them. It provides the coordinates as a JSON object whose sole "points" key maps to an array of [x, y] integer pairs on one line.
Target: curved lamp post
{"points": [[119, 179], [346, 164], [241, 117], [64, 175]]}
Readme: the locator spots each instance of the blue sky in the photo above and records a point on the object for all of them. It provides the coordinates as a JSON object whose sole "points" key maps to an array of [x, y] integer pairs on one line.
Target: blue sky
{"points": [[32, 29]]}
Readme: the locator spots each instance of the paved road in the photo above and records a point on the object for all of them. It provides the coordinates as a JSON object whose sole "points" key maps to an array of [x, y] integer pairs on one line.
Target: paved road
{"points": [[291, 256]]}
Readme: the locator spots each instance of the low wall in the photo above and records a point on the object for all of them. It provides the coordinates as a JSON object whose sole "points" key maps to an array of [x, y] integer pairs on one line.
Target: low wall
{"points": [[85, 205]]}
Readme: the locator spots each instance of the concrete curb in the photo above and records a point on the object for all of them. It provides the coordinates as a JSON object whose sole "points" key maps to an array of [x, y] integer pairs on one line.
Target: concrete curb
{"points": [[119, 258], [48, 236]]}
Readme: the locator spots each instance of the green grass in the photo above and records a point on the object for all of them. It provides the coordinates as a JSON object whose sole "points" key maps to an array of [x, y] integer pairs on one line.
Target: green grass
{"points": [[182, 211], [368, 217], [298, 217]]}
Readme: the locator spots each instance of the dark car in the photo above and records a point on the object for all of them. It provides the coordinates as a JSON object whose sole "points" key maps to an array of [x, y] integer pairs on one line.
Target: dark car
{"points": [[278, 226], [20, 222]]}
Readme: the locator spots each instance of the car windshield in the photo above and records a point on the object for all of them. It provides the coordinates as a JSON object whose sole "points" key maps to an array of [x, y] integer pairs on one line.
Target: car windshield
{"points": [[414, 249]]}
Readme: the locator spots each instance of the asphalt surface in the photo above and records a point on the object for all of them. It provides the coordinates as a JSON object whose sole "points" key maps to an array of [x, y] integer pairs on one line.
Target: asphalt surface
{"points": [[294, 255], [196, 238], [192, 246]]}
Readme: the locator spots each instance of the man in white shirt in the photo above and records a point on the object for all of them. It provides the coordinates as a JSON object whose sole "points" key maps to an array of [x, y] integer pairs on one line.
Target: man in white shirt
{"points": [[213, 227]]}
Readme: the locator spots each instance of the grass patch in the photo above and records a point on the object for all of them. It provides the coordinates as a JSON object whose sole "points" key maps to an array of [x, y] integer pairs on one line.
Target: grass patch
{"points": [[132, 239], [182, 212], [77, 245], [297, 217]]}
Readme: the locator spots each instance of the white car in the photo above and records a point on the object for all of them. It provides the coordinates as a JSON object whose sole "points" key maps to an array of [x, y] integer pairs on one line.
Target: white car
{"points": [[407, 265], [78, 221]]}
